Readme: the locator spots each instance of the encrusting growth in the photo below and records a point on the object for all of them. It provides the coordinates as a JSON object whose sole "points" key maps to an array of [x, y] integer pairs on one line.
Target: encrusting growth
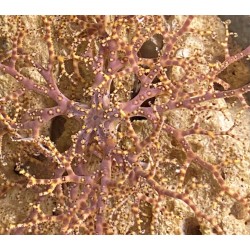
{"points": [[117, 80]]}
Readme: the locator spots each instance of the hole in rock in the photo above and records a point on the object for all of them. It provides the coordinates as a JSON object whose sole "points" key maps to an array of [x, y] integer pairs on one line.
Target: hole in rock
{"points": [[61, 130], [191, 226], [151, 48], [218, 87], [148, 102], [57, 128], [247, 97], [136, 88], [137, 118]]}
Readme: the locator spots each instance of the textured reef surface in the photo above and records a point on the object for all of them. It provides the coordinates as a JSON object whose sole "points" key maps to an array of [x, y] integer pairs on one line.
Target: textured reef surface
{"points": [[123, 125]]}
